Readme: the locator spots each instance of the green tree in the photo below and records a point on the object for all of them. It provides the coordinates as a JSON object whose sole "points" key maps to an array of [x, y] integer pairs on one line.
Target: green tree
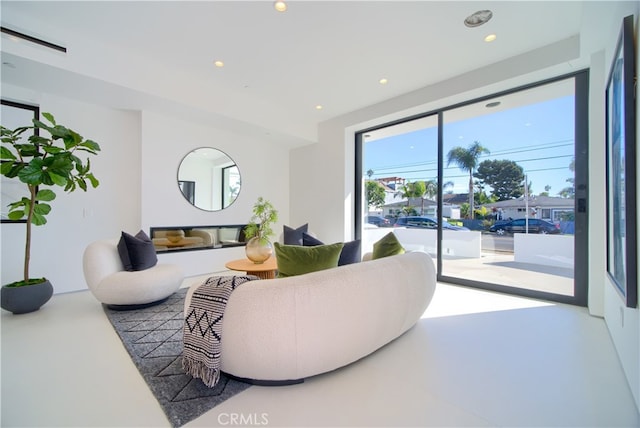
{"points": [[467, 160], [431, 188], [482, 198], [546, 191], [409, 210], [415, 189], [375, 194], [503, 176], [570, 192], [464, 209], [482, 212]]}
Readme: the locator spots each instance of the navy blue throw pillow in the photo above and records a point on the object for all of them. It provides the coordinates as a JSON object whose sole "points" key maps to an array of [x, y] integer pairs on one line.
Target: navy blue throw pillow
{"points": [[350, 252], [137, 252], [294, 236]]}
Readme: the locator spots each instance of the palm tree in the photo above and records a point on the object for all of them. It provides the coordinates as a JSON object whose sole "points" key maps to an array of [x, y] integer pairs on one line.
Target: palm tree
{"points": [[467, 160], [431, 188], [417, 189]]}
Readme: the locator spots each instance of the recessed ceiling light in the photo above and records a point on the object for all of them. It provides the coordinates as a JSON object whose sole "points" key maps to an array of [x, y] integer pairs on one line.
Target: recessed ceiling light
{"points": [[493, 104], [280, 6], [478, 18], [383, 81], [219, 63], [490, 38], [318, 107]]}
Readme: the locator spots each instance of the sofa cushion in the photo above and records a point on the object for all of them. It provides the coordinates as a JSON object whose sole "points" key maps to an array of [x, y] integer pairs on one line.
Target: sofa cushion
{"points": [[298, 260], [137, 252], [387, 246], [350, 252], [294, 236]]}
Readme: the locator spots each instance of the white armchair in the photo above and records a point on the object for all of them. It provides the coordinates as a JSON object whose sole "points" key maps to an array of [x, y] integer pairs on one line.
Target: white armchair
{"points": [[121, 289]]}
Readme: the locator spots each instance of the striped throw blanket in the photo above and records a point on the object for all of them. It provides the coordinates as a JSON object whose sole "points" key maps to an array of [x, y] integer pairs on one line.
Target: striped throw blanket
{"points": [[202, 333]]}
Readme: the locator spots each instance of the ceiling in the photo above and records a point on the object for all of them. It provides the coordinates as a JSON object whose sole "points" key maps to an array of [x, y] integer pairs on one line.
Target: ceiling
{"points": [[159, 55]]}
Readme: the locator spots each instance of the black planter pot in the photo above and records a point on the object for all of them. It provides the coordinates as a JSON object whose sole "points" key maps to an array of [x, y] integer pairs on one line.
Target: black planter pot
{"points": [[29, 298]]}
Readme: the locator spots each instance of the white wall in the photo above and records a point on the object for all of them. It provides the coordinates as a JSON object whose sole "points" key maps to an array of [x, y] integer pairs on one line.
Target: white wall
{"points": [[137, 169], [79, 218], [264, 170], [597, 205], [623, 322]]}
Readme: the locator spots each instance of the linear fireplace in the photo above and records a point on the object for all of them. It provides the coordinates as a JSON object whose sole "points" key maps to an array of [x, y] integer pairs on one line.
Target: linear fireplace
{"points": [[189, 238]]}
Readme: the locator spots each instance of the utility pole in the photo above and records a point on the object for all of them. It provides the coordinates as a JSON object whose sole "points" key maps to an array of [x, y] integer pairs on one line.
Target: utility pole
{"points": [[526, 205]]}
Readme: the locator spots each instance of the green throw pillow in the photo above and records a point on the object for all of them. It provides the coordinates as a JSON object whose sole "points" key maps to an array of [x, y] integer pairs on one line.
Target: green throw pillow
{"points": [[387, 246], [297, 260]]}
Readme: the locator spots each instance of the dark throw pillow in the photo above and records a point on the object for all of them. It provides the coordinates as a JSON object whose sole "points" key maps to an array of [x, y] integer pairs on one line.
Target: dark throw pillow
{"points": [[310, 241], [137, 252], [387, 246], [298, 260], [350, 252], [294, 236]]}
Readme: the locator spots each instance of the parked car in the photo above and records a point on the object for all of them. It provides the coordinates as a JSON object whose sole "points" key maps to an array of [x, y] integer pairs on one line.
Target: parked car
{"points": [[423, 222], [536, 225], [378, 221], [499, 226]]}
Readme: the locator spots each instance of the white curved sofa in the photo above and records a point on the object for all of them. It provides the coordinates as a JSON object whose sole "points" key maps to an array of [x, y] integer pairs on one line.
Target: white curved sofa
{"points": [[286, 329], [121, 289]]}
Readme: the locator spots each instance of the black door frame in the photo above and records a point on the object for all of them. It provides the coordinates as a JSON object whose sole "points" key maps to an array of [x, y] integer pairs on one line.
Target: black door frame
{"points": [[581, 153]]}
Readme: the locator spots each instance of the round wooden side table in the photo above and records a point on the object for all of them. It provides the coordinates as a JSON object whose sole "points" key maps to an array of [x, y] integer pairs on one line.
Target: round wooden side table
{"points": [[266, 270]]}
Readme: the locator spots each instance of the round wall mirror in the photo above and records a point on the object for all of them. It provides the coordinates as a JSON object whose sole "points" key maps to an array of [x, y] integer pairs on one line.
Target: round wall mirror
{"points": [[209, 179]]}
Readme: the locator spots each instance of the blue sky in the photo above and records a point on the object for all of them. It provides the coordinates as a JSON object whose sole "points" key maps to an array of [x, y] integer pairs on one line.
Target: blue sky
{"points": [[539, 137]]}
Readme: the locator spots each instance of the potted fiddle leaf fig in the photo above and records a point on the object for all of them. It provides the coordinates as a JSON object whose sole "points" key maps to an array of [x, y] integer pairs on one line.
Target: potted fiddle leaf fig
{"points": [[259, 247], [40, 162]]}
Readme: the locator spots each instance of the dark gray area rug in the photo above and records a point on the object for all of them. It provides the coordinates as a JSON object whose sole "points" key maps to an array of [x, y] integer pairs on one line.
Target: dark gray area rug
{"points": [[153, 338]]}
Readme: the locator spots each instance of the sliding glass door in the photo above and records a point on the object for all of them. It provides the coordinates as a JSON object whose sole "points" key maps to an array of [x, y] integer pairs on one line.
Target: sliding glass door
{"points": [[494, 189]]}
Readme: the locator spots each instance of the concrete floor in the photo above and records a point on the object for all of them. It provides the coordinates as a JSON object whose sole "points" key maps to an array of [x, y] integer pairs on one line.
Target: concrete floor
{"points": [[500, 268], [475, 359]]}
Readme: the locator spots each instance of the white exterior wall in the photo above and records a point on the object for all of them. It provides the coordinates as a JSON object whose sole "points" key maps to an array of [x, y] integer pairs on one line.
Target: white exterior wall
{"points": [[547, 250], [455, 243]]}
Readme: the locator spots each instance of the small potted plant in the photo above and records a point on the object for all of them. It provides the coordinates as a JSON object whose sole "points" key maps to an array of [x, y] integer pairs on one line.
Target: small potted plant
{"points": [[40, 162], [259, 231]]}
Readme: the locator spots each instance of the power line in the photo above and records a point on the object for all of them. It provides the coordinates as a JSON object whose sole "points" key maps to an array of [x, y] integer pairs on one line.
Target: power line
{"points": [[550, 157], [545, 146], [401, 171]]}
